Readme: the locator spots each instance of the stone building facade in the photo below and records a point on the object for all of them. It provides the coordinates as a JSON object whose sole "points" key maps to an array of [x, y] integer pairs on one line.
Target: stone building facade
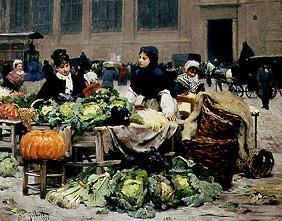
{"points": [[212, 28]]}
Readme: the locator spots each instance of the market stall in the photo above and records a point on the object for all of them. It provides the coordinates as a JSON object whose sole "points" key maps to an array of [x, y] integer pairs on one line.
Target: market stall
{"points": [[135, 145]]}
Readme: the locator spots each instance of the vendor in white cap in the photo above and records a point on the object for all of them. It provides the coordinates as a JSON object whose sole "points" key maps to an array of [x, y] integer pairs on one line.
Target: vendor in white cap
{"points": [[188, 82], [15, 78]]}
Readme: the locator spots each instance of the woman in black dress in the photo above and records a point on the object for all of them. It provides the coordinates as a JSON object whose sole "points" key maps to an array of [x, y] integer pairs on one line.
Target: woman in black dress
{"points": [[63, 85]]}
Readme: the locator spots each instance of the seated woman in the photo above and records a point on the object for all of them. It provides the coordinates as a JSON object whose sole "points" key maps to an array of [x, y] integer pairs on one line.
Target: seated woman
{"points": [[63, 85], [15, 78], [152, 83], [188, 82]]}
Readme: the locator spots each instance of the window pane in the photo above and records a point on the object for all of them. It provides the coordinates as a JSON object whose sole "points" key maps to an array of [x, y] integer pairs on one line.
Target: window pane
{"points": [[43, 16], [71, 16], [19, 15], [157, 14], [106, 15]]}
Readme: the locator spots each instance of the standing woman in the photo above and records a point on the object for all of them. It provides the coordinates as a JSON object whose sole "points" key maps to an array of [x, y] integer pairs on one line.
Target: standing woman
{"points": [[152, 83], [62, 85], [109, 74]]}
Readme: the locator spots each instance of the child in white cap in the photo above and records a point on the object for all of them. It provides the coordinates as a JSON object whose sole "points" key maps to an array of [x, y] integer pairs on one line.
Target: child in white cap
{"points": [[189, 82]]}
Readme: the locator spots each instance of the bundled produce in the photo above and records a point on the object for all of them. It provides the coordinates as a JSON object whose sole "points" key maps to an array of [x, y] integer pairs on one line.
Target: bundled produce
{"points": [[27, 116], [91, 193], [97, 187], [153, 119], [9, 111], [23, 101], [68, 196]]}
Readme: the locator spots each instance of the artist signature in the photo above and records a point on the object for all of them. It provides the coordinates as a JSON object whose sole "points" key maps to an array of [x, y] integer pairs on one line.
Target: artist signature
{"points": [[38, 215]]}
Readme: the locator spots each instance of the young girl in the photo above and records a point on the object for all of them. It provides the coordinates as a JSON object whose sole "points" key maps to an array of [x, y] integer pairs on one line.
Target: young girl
{"points": [[62, 85], [152, 83], [188, 82]]}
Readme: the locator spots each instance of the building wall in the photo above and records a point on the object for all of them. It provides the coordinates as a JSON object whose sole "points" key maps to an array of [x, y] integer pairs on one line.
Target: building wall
{"points": [[259, 22]]}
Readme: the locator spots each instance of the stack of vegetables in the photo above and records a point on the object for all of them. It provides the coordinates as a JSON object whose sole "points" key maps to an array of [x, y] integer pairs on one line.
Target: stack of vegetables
{"points": [[83, 113], [18, 107], [139, 193]]}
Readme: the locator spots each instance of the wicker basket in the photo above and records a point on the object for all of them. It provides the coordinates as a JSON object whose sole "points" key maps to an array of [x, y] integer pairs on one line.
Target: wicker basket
{"points": [[216, 143], [217, 123], [218, 155], [259, 163]]}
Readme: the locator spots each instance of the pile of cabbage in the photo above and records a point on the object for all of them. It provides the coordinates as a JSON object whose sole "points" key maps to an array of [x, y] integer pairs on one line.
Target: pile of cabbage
{"points": [[83, 113], [9, 167], [139, 193]]}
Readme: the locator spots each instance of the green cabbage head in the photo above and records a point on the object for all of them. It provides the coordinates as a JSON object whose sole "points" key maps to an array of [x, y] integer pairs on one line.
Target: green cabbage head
{"points": [[182, 186], [132, 189], [91, 110], [66, 110]]}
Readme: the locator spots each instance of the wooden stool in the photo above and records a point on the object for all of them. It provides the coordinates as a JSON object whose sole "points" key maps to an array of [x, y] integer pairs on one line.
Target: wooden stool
{"points": [[43, 172]]}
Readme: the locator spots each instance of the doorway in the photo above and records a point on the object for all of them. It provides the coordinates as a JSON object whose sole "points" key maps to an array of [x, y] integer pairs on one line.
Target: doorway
{"points": [[220, 40]]}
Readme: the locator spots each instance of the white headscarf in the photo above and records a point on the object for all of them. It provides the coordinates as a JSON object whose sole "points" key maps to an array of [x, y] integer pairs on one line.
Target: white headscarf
{"points": [[16, 62], [191, 63]]}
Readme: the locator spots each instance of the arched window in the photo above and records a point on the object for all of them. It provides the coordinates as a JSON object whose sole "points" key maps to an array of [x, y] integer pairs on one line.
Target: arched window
{"points": [[157, 14], [106, 15], [71, 16], [43, 16]]}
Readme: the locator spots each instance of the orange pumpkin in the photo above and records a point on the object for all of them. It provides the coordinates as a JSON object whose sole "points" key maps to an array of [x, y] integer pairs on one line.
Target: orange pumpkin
{"points": [[42, 144], [9, 111]]}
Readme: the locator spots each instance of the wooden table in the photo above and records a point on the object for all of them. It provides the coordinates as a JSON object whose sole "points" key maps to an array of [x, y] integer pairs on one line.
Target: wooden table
{"points": [[87, 140]]}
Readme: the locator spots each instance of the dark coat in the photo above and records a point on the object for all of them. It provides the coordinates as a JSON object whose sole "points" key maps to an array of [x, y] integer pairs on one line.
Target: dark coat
{"points": [[149, 81], [108, 77], [53, 87], [264, 77]]}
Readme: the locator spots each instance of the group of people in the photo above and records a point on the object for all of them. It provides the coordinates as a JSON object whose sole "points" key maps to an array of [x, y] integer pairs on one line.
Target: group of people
{"points": [[158, 87]]}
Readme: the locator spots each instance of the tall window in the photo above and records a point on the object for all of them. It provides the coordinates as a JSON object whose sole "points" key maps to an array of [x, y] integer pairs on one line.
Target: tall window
{"points": [[71, 17], [157, 14], [19, 15], [43, 16], [106, 15]]}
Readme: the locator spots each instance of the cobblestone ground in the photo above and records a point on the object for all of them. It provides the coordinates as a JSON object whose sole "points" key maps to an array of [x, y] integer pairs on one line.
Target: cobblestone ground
{"points": [[269, 132]]}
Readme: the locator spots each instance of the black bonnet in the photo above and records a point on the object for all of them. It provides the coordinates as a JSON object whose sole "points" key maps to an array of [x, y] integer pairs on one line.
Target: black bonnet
{"points": [[152, 52]]}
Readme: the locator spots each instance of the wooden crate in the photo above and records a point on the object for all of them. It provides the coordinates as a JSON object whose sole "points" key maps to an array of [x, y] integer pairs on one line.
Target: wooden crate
{"points": [[10, 133]]}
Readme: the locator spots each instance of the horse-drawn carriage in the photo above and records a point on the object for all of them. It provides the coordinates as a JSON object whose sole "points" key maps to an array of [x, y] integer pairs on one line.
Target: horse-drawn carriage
{"points": [[240, 77]]}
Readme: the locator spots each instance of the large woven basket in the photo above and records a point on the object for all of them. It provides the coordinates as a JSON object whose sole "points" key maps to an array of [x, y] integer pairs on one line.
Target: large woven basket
{"points": [[216, 143], [217, 123], [218, 155]]}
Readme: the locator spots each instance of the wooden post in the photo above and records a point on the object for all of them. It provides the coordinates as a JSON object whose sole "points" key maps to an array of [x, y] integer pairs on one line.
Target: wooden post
{"points": [[99, 152]]}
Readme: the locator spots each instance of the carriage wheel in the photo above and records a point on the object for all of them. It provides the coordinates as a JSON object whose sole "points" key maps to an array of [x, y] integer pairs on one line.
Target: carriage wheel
{"points": [[280, 91], [232, 89], [239, 90], [250, 93]]}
